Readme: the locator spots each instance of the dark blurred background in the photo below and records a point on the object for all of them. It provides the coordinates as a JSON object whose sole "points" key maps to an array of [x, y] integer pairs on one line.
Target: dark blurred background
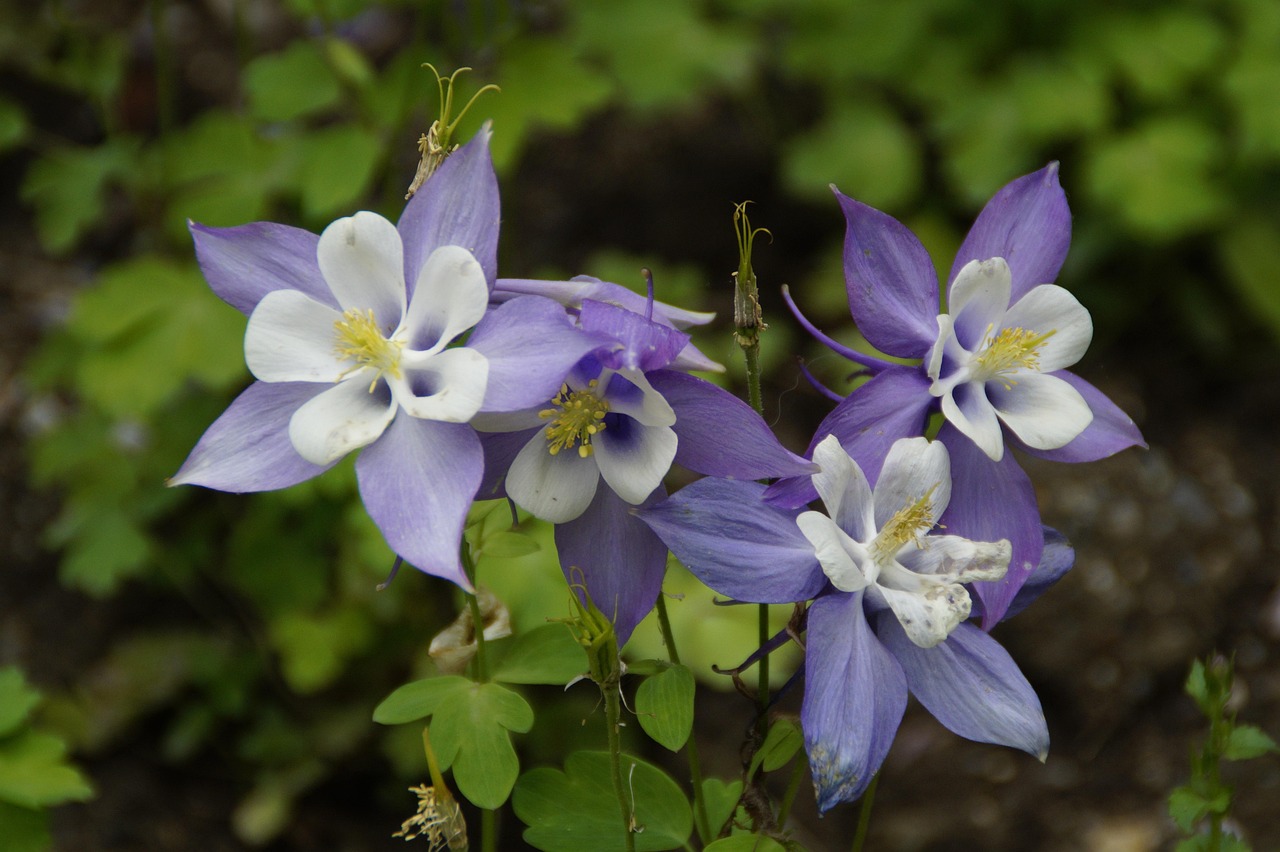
{"points": [[211, 661]]}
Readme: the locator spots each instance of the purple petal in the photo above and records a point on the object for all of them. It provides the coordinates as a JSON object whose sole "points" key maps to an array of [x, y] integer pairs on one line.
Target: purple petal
{"points": [[417, 482], [971, 685], [457, 206], [248, 447], [646, 345], [620, 558], [1027, 223], [500, 450], [1110, 431], [991, 501], [572, 293], [1056, 560], [894, 404], [737, 544], [854, 696], [720, 435], [245, 263], [531, 345], [892, 285]]}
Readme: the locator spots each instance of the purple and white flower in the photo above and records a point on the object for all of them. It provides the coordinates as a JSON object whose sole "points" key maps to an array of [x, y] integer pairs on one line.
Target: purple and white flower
{"points": [[994, 363], [889, 603], [603, 445], [349, 337]]}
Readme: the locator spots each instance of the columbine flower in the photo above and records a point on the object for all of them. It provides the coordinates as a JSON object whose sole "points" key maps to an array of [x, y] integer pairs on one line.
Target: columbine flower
{"points": [[889, 607], [993, 363], [602, 444], [349, 337]]}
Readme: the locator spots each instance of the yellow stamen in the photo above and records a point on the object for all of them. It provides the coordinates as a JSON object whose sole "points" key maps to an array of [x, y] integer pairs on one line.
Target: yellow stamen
{"points": [[577, 417], [360, 340], [1011, 349], [908, 524]]}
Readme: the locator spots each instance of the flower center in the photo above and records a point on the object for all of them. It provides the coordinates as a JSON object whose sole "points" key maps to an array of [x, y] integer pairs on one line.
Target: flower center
{"points": [[360, 340], [577, 416], [908, 524], [1011, 349]]}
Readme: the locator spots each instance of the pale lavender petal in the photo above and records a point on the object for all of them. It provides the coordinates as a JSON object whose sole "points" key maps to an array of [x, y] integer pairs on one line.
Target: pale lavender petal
{"points": [[895, 404], [457, 206], [991, 501], [361, 259], [971, 685], [1110, 431], [293, 338], [892, 285], [619, 557], [737, 544], [417, 482], [248, 447], [531, 345], [451, 297], [245, 263], [1027, 223], [854, 697], [720, 435], [572, 293], [645, 345], [1055, 562]]}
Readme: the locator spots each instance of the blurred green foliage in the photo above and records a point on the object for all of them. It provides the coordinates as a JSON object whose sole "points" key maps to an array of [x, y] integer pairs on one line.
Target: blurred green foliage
{"points": [[1163, 115]]}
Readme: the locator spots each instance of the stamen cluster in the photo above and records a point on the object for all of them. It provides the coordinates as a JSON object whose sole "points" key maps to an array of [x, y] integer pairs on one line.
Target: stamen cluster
{"points": [[578, 416], [360, 340]]}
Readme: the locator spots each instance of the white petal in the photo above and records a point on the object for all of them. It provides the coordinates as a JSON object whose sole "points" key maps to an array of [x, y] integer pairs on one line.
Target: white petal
{"points": [[447, 386], [914, 467], [844, 489], [959, 560], [841, 557], [968, 409], [1050, 308], [634, 457], [928, 616], [343, 418], [362, 260], [1044, 411], [291, 338], [451, 295], [979, 298], [555, 488], [631, 394]]}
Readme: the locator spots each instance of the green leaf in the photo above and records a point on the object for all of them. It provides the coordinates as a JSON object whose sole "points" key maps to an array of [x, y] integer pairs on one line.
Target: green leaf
{"points": [[24, 829], [864, 149], [547, 654], [16, 699], [721, 800], [291, 84], [1251, 253], [469, 732], [67, 186], [1187, 807], [576, 810], [336, 168], [782, 743], [152, 325], [664, 706], [1247, 742], [508, 544], [314, 648], [418, 699], [1197, 686], [745, 843], [13, 124], [108, 547], [33, 773]]}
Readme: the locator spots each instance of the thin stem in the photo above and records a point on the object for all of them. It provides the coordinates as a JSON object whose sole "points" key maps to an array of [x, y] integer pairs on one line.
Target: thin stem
{"points": [[613, 715], [864, 814], [793, 787], [752, 354], [477, 620], [488, 830], [691, 746], [762, 691]]}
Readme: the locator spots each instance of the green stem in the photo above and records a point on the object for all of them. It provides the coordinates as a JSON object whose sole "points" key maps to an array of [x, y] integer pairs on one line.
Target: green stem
{"points": [[488, 830], [477, 619], [864, 814], [793, 787], [613, 715], [752, 354], [691, 747]]}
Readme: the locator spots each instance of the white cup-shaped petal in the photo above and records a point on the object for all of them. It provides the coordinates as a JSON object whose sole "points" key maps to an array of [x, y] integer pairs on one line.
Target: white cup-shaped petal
{"points": [[362, 260], [343, 418]]}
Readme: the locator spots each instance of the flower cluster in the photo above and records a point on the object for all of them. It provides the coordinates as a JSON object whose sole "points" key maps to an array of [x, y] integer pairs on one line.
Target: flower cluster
{"points": [[573, 399]]}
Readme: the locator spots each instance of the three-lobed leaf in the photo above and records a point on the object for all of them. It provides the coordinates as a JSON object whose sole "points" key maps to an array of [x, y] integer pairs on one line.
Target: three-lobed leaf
{"points": [[545, 655]]}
